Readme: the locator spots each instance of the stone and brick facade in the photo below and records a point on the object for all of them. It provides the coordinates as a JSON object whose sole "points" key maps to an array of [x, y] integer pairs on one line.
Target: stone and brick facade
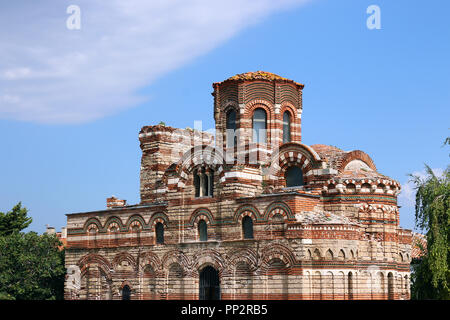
{"points": [[232, 209]]}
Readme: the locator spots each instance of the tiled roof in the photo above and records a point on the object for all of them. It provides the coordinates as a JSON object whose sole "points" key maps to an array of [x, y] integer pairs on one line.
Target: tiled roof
{"points": [[260, 75]]}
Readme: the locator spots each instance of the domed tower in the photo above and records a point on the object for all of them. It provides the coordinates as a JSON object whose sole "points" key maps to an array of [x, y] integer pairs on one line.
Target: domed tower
{"points": [[257, 108]]}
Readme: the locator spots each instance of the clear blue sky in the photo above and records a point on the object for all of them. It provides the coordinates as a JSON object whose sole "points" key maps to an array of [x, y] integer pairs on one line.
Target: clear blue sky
{"points": [[386, 92]]}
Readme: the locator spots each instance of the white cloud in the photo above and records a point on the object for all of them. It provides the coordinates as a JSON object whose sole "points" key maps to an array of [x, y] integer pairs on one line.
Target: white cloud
{"points": [[50, 74], [407, 196]]}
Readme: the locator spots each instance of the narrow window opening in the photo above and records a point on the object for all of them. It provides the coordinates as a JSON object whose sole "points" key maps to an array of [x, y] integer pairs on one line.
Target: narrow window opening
{"points": [[247, 226], [196, 184], [259, 126], [286, 127], [231, 129], [203, 230], [159, 229], [211, 183], [126, 293]]}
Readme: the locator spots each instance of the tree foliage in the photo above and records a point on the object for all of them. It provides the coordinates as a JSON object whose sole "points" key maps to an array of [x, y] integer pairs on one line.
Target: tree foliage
{"points": [[31, 265], [14, 220], [431, 276]]}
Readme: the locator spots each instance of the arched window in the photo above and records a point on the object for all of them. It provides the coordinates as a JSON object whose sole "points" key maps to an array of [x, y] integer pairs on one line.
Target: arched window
{"points": [[294, 177], [259, 126], [159, 229], [231, 128], [286, 127], [203, 230], [247, 227], [197, 184], [126, 293], [204, 182]]}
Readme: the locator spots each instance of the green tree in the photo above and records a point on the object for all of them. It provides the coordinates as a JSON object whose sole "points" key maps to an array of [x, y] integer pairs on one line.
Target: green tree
{"points": [[431, 275], [14, 220], [31, 265]]}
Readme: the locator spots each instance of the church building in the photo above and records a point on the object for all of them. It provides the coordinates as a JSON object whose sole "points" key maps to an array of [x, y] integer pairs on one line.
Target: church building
{"points": [[245, 212]]}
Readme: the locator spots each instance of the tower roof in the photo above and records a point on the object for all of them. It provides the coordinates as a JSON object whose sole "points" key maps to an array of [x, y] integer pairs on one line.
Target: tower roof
{"points": [[259, 75]]}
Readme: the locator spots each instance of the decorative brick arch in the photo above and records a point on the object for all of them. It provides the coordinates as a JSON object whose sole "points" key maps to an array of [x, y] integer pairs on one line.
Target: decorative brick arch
{"points": [[158, 217], [92, 226], [177, 265], [230, 105], [278, 207], [292, 154], [177, 256], [147, 271], [201, 214], [288, 106], [92, 221], [150, 259], [246, 255], [111, 225], [357, 155], [246, 210], [135, 220], [96, 259], [114, 222], [209, 257], [259, 103], [278, 251], [366, 208], [195, 157], [124, 256]]}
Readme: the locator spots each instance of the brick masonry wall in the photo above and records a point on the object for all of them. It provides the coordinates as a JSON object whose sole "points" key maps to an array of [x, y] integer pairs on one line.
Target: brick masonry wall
{"points": [[307, 254]]}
